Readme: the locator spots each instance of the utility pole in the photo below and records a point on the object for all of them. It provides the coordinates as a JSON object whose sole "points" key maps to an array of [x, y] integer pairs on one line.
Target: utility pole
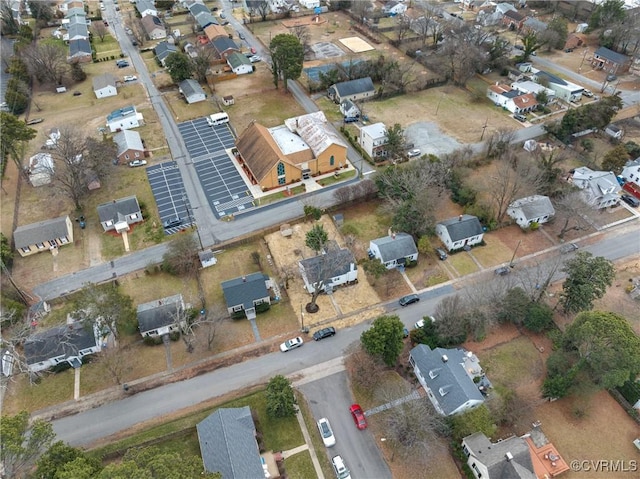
{"points": [[193, 224], [484, 127]]}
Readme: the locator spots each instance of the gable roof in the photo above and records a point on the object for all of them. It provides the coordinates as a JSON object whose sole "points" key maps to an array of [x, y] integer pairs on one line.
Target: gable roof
{"points": [[259, 150], [396, 246], [551, 78], [462, 227], [103, 81], [205, 18], [214, 31], [245, 289], [601, 184], [120, 113], [514, 15], [128, 140], [228, 444], [518, 465], [190, 87], [534, 206], [197, 8], [144, 5], [79, 47], [151, 22], [450, 384], [117, 210], [159, 313], [528, 100], [334, 261], [40, 232], [610, 55], [65, 341], [314, 129], [164, 49], [375, 130], [535, 24], [222, 44], [237, 59], [353, 87], [78, 30]]}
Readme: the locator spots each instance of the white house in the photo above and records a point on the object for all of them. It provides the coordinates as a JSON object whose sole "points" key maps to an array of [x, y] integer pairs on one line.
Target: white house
{"points": [[145, 7], [460, 232], [349, 109], [600, 188], [528, 86], [246, 293], [359, 89], [192, 91], [104, 85], [614, 131], [373, 139], [333, 267], [40, 169], [239, 63], [394, 8], [565, 90], [631, 171], [117, 215], [162, 316], [532, 209], [513, 100], [124, 118], [509, 457], [394, 250], [153, 27], [310, 4], [447, 376]]}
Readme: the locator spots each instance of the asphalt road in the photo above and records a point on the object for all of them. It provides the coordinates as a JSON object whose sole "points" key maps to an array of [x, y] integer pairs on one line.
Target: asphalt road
{"points": [[330, 397]]}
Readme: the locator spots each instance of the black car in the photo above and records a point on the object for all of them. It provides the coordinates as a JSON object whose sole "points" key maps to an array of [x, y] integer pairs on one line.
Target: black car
{"points": [[409, 299], [441, 254], [172, 222], [630, 200], [324, 333], [241, 36]]}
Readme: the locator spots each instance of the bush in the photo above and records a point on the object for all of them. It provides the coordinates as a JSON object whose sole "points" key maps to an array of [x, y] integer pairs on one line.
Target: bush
{"points": [[262, 307], [174, 335], [238, 315], [539, 318], [534, 226]]}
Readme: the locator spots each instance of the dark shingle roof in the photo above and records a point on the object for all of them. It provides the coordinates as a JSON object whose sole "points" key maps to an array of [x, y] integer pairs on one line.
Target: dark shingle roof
{"points": [[222, 44], [40, 232], [551, 78], [450, 377], [156, 314], [190, 87], [534, 206], [204, 19], [228, 444], [615, 57], [463, 226], [103, 81], [64, 341], [333, 262], [394, 248], [164, 49], [196, 8], [245, 289], [353, 87], [116, 210], [79, 46]]}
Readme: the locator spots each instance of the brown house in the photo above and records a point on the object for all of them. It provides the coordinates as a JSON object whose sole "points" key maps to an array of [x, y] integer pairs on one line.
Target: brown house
{"points": [[513, 20], [610, 61], [304, 146], [214, 31], [129, 146]]}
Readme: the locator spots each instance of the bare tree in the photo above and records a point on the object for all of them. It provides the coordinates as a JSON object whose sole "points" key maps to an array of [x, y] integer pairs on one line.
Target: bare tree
{"points": [[117, 362], [210, 323], [426, 26], [202, 62], [262, 9], [99, 29], [572, 211], [47, 62], [303, 35], [364, 370], [361, 10], [451, 317], [137, 30], [535, 279], [403, 27], [9, 23]]}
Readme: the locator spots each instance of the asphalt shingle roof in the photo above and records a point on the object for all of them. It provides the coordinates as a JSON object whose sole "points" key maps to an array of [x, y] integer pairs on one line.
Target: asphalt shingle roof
{"points": [[245, 289], [615, 57], [103, 81], [353, 87], [117, 210], [64, 341], [190, 87], [394, 248], [494, 456], [462, 227], [40, 232], [128, 140], [334, 262], [160, 313], [534, 206]]}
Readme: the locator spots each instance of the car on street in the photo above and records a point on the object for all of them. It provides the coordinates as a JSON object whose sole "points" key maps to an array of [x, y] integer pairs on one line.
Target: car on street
{"points": [[413, 153], [326, 432], [502, 271], [172, 222], [630, 200], [405, 333], [135, 163], [520, 117], [568, 248], [290, 344], [409, 299], [611, 77], [442, 254], [241, 36], [324, 333], [420, 324], [130, 78], [340, 468], [358, 416]]}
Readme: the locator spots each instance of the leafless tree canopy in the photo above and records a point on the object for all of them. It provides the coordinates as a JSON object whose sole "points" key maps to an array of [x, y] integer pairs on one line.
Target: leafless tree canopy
{"points": [[47, 62], [99, 29], [572, 211]]}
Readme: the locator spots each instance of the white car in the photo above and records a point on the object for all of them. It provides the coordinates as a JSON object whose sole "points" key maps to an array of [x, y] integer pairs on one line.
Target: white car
{"points": [[130, 78], [326, 432], [413, 153], [420, 324], [290, 344], [340, 468], [255, 58], [135, 163]]}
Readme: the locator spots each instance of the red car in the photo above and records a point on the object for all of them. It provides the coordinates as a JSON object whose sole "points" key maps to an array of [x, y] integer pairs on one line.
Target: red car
{"points": [[358, 416]]}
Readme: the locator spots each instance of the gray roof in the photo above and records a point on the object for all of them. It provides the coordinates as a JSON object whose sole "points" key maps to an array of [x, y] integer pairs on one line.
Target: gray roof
{"points": [[143, 5], [103, 81], [151, 22], [190, 87], [78, 29], [245, 289], [117, 210], [450, 376], [462, 227], [551, 78], [81, 45], [159, 313], [534, 206], [40, 232], [610, 55], [128, 140], [205, 19], [75, 11], [197, 8], [64, 341], [353, 87], [494, 456], [535, 24], [164, 49], [396, 246], [333, 262], [223, 44], [228, 444], [236, 59]]}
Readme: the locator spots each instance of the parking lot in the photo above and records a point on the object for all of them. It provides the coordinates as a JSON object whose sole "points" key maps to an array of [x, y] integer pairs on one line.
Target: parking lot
{"points": [[168, 190], [226, 190]]}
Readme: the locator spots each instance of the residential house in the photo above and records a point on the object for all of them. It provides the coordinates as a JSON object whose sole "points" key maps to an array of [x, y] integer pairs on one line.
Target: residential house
{"points": [[76, 31], [515, 75], [393, 8], [228, 100], [153, 27], [79, 51], [533, 25], [574, 40], [196, 8], [44, 235], [564, 89], [70, 344], [117, 215], [246, 292], [228, 444], [359, 89], [394, 250], [513, 19], [41, 169], [614, 131], [493, 460], [532, 209], [205, 19], [192, 91], [631, 172], [129, 146], [310, 4], [447, 376], [303, 147], [104, 85], [503, 8], [161, 317], [460, 232], [349, 109], [333, 267], [373, 139], [600, 188], [146, 7], [124, 118], [225, 46], [239, 63], [513, 100], [528, 86], [610, 61], [163, 50], [74, 12], [207, 258], [214, 31]]}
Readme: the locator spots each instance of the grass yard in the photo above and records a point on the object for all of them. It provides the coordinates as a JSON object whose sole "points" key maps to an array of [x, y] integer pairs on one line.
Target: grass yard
{"points": [[428, 272], [493, 253], [106, 48], [365, 222], [316, 440], [300, 466], [462, 262], [265, 200], [513, 363], [330, 180], [182, 111]]}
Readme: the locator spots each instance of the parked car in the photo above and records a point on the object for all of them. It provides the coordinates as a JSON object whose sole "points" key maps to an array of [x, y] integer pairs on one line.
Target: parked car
{"points": [[630, 200], [520, 117], [442, 254], [290, 344], [568, 50], [324, 333], [326, 432], [409, 299], [502, 271], [130, 78], [255, 58], [77, 93], [226, 22], [568, 248], [413, 153], [135, 163], [611, 77], [223, 16], [420, 324], [587, 93], [122, 63], [172, 222], [358, 416], [241, 36], [35, 121], [340, 468]]}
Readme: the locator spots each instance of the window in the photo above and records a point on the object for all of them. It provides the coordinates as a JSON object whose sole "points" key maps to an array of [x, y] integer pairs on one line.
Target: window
{"points": [[237, 308], [126, 156], [137, 154], [476, 470], [108, 223], [332, 160], [465, 450], [282, 179], [40, 245], [134, 216], [25, 249]]}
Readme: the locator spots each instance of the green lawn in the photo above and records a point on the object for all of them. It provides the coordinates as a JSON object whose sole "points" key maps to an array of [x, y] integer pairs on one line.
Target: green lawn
{"points": [[463, 264], [272, 198], [299, 466], [330, 180], [513, 363], [107, 48]]}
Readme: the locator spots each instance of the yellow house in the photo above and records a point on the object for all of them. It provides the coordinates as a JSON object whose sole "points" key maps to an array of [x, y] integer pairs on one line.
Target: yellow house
{"points": [[303, 147]]}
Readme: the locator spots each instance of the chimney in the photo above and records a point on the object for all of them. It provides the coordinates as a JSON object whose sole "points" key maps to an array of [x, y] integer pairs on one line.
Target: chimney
{"points": [[509, 456], [460, 218], [444, 358]]}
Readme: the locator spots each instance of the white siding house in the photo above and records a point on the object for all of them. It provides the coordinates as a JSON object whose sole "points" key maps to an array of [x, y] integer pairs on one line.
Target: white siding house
{"points": [[124, 118], [600, 188], [105, 85], [460, 232], [532, 209], [631, 171], [373, 139], [394, 250], [333, 267]]}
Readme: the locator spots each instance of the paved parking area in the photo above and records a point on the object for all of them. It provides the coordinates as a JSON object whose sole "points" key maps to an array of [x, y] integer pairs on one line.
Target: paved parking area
{"points": [[226, 190], [168, 190]]}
